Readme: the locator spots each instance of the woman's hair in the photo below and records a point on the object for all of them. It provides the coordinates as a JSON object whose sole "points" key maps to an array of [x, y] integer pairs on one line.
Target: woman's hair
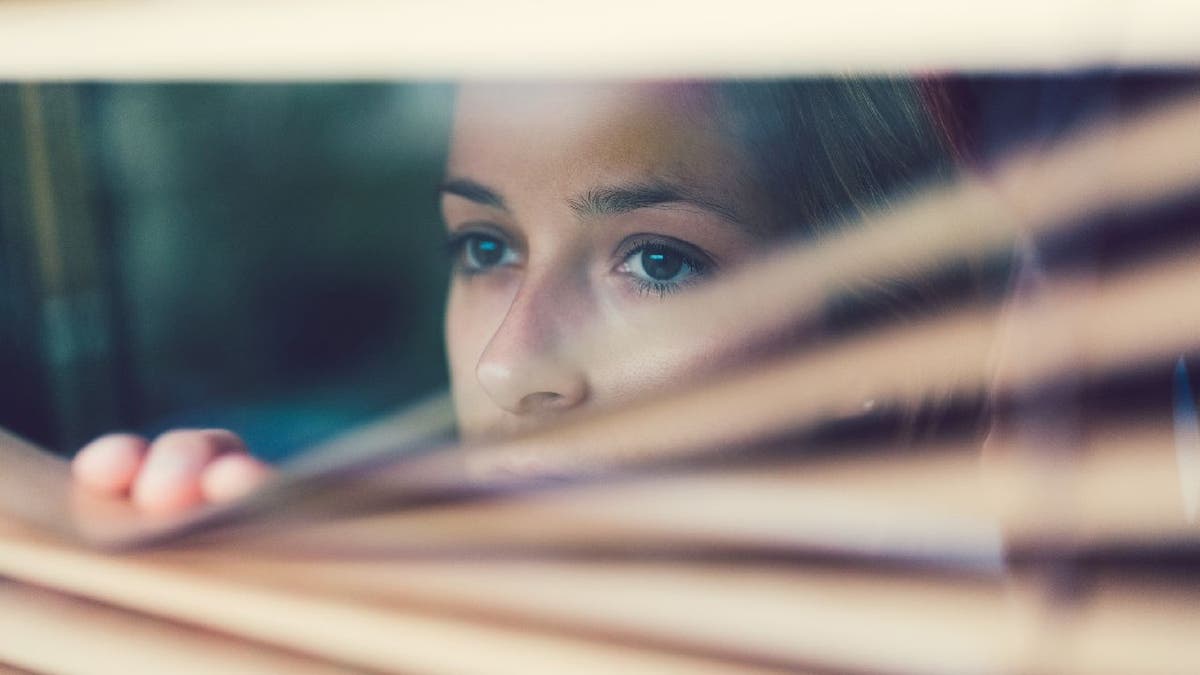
{"points": [[827, 151]]}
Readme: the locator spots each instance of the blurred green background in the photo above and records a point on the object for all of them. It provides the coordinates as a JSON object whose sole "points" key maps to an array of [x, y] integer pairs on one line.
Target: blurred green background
{"points": [[263, 257]]}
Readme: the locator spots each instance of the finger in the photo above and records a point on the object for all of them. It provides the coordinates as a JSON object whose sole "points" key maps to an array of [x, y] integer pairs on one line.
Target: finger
{"points": [[170, 479], [110, 463], [232, 476]]}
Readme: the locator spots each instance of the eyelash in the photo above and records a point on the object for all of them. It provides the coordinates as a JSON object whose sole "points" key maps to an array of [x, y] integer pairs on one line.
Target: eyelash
{"points": [[700, 263]]}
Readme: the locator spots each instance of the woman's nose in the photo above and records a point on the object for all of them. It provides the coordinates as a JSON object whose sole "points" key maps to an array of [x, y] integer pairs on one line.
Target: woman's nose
{"points": [[525, 368]]}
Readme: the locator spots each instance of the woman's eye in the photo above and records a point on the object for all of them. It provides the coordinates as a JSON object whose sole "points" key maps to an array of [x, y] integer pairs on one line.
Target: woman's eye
{"points": [[476, 252], [660, 268]]}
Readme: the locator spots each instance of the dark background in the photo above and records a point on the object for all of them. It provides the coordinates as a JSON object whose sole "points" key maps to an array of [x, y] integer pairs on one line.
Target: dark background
{"points": [[255, 256]]}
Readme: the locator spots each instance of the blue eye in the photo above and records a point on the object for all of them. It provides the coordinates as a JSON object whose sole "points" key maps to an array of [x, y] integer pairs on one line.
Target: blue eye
{"points": [[663, 264], [484, 251], [662, 268], [476, 252]]}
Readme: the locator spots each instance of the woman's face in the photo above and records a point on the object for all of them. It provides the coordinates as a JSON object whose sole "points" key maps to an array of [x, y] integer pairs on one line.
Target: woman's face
{"points": [[568, 209]]}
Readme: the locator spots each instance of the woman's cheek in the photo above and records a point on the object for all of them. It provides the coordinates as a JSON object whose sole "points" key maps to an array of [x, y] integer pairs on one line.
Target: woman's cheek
{"points": [[655, 354], [668, 365]]}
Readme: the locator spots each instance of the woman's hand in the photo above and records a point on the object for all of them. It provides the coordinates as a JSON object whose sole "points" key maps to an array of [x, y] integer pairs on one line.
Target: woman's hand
{"points": [[179, 470]]}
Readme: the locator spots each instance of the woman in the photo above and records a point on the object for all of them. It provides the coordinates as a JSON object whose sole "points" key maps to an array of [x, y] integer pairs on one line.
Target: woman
{"points": [[568, 207]]}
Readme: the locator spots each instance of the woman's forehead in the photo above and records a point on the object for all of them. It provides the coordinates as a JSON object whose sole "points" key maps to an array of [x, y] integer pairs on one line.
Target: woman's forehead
{"points": [[536, 134], [575, 105]]}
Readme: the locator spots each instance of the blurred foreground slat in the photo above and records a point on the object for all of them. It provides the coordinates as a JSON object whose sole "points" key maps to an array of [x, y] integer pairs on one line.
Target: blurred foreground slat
{"points": [[513, 615], [49, 632], [373, 39], [395, 639]]}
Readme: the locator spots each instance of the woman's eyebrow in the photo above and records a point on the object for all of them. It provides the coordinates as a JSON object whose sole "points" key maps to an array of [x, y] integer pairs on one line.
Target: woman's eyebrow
{"points": [[473, 191], [605, 200], [613, 199]]}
